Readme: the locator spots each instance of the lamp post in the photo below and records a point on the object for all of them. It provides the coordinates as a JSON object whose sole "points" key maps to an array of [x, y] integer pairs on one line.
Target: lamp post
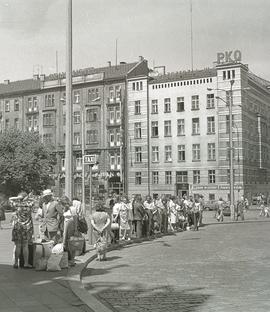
{"points": [[229, 104]]}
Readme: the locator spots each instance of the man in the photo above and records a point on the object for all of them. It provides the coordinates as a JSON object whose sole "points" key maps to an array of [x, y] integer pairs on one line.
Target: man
{"points": [[240, 209], [51, 214], [149, 207]]}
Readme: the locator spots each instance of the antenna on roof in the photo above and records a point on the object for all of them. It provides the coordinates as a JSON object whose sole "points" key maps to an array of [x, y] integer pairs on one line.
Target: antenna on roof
{"points": [[116, 52], [191, 35]]}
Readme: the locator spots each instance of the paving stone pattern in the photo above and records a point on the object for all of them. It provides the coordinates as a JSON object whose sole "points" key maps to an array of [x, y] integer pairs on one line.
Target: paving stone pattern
{"points": [[223, 267]]}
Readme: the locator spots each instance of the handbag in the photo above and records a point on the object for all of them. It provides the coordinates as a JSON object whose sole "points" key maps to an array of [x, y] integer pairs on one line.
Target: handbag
{"points": [[41, 262], [82, 225], [115, 226], [53, 263]]}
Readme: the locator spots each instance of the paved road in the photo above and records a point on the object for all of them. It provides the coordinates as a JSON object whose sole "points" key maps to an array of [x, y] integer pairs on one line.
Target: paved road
{"points": [[221, 268], [24, 290]]}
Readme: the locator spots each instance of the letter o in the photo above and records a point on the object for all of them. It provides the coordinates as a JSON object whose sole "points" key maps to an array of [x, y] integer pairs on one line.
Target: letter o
{"points": [[237, 56]]}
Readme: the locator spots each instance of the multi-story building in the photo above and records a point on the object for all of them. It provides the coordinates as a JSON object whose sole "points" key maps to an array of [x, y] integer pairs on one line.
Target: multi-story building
{"points": [[179, 133], [99, 106]]}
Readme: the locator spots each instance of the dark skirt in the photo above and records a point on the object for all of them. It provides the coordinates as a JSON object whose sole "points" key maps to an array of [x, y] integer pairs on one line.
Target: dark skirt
{"points": [[2, 215]]}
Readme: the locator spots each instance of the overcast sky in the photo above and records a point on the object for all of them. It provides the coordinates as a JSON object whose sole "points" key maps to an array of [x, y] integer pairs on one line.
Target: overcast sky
{"points": [[31, 31]]}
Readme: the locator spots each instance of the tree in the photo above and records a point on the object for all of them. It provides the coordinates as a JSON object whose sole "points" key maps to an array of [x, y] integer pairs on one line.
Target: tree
{"points": [[25, 162]]}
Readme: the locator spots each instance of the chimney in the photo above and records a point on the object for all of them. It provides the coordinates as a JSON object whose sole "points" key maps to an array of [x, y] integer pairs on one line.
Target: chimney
{"points": [[35, 76], [122, 63], [6, 81], [109, 63], [141, 58]]}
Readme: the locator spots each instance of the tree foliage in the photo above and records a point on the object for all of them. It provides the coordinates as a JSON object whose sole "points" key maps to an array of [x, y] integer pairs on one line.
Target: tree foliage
{"points": [[25, 162]]}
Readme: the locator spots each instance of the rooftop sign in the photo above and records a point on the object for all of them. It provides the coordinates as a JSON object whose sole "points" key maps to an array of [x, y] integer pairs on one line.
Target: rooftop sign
{"points": [[229, 57]]}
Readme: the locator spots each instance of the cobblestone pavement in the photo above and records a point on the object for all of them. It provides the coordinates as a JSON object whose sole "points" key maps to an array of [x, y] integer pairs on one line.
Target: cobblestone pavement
{"points": [[223, 267]]}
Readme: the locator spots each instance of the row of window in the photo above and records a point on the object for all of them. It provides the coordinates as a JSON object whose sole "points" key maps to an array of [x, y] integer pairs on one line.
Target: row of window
{"points": [[8, 106], [181, 83], [181, 177], [181, 153], [211, 129]]}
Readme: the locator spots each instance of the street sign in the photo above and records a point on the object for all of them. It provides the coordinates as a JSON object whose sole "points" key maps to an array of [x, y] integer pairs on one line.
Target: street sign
{"points": [[89, 159]]}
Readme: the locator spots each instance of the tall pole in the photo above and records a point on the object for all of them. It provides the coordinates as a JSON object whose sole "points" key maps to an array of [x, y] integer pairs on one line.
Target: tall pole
{"points": [[90, 234], [83, 152], [231, 154], [69, 108]]}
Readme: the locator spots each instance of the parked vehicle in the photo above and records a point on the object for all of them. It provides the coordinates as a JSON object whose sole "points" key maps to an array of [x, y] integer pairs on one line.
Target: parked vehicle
{"points": [[210, 205]]}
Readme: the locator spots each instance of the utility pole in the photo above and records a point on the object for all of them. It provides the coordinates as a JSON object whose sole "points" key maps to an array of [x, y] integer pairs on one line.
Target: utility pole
{"points": [[69, 107], [231, 154]]}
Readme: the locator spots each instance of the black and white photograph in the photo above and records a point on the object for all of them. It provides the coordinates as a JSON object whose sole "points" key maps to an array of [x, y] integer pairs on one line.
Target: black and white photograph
{"points": [[134, 156]]}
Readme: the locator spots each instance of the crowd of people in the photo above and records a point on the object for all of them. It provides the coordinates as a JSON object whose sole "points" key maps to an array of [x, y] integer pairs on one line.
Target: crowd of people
{"points": [[57, 220]]}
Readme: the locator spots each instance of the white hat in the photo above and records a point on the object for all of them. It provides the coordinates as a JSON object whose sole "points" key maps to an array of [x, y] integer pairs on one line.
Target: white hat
{"points": [[47, 192]]}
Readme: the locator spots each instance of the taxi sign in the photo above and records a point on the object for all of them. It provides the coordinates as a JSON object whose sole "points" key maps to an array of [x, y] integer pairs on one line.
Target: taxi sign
{"points": [[89, 159]]}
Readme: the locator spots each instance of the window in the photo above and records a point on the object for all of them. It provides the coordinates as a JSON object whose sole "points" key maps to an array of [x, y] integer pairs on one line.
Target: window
{"points": [[76, 97], [210, 101], [35, 123], [16, 105], [233, 150], [181, 153], [211, 176], [167, 128], [49, 100], [48, 138], [137, 130], [168, 153], [137, 86], [48, 120], [138, 154], [91, 136], [76, 138], [155, 154], [118, 137], [6, 123], [16, 123], [167, 105], [91, 114], [195, 102], [195, 126], [112, 116], [196, 177], [118, 115], [118, 92], [168, 177], [138, 178], [211, 151], [79, 163], [35, 103], [210, 125], [137, 107], [29, 123], [30, 104], [228, 122], [181, 127], [7, 106], [154, 106], [224, 75], [155, 178], [111, 94], [180, 104], [181, 176], [77, 117], [112, 138], [196, 152], [154, 129], [112, 162]]}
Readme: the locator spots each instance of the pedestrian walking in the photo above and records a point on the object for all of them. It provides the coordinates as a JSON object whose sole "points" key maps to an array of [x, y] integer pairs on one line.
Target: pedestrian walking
{"points": [[124, 218], [219, 210], [23, 230], [138, 215], [240, 209]]}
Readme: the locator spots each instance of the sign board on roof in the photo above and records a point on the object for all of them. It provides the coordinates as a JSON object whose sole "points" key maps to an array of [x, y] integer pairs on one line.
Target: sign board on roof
{"points": [[229, 57]]}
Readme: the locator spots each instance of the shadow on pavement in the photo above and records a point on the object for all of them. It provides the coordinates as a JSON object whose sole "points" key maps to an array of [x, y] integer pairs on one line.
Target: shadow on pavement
{"points": [[100, 271], [136, 297]]}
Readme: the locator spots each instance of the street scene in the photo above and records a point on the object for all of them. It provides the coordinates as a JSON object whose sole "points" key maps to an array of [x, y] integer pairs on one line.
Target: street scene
{"points": [[134, 156]]}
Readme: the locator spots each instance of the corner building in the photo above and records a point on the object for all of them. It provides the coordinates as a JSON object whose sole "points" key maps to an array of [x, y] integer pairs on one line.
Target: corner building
{"points": [[179, 133]]}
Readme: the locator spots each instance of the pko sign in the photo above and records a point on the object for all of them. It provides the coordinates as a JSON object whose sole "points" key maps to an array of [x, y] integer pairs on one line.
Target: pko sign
{"points": [[229, 57], [89, 159]]}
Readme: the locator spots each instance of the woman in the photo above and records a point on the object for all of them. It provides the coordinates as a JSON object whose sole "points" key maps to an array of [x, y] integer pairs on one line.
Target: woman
{"points": [[2, 210], [100, 221], [23, 229], [124, 218], [116, 219], [71, 230]]}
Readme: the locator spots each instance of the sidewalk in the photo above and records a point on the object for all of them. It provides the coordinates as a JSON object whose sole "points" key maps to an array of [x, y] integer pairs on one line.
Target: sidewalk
{"points": [[26, 290]]}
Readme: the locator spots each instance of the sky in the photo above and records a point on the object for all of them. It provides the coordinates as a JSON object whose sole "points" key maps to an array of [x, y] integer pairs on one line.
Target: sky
{"points": [[33, 32]]}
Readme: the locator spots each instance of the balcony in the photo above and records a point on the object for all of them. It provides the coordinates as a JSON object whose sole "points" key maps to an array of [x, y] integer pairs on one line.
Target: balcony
{"points": [[113, 122], [32, 110], [113, 100]]}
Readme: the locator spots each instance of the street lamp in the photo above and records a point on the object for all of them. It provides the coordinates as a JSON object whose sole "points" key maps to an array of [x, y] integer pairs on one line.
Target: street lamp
{"points": [[230, 103]]}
